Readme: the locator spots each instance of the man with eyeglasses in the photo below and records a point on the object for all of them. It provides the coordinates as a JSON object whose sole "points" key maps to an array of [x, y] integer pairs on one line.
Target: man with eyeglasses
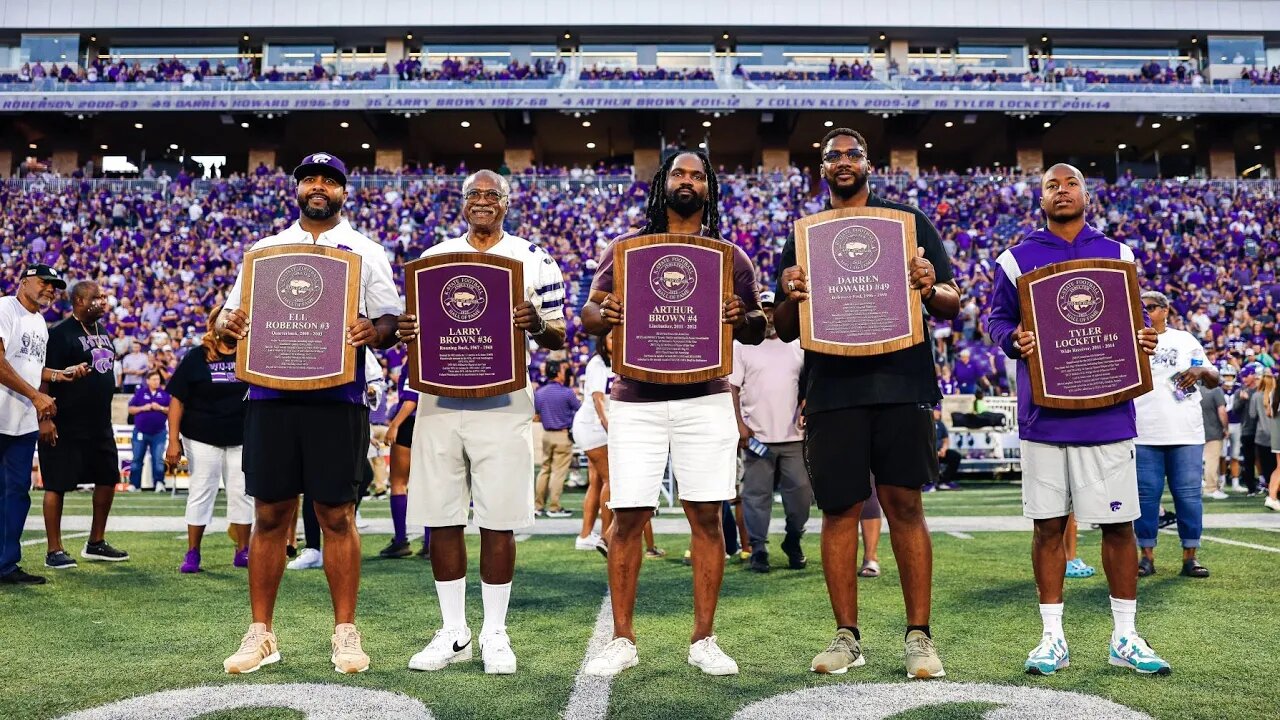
{"points": [[476, 455], [1080, 461], [871, 415]]}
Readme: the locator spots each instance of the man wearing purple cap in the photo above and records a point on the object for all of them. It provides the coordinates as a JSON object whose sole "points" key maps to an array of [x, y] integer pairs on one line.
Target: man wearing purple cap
{"points": [[1080, 461], [312, 442], [24, 341]]}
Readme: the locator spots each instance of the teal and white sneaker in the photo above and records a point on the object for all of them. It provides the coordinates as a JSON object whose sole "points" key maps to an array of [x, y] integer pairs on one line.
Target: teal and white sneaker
{"points": [[1049, 657], [1132, 651]]}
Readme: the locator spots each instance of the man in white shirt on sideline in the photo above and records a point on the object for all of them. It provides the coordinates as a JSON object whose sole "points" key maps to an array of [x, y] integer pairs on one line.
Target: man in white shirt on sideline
{"points": [[1170, 441], [766, 389], [481, 450]]}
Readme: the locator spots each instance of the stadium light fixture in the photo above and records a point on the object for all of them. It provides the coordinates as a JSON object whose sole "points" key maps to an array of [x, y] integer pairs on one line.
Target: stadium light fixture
{"points": [[102, 147], [465, 123], [1044, 38], [245, 38], [1155, 126], [817, 145], [949, 124], [344, 124], [478, 146], [928, 146], [883, 36], [828, 123], [408, 36], [1257, 147], [706, 123], [568, 36], [94, 38], [31, 146], [173, 146], [1194, 39], [364, 146], [884, 115], [702, 146], [586, 123], [244, 124], [1121, 146], [137, 126], [1186, 146], [725, 36], [1178, 118], [1048, 124], [591, 146]]}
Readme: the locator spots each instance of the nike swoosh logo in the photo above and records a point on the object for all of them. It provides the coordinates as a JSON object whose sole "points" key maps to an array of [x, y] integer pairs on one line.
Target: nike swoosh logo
{"points": [[460, 648]]}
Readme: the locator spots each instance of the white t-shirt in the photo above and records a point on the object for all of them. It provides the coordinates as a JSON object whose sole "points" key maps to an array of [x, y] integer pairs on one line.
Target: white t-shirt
{"points": [[768, 378], [1162, 418], [26, 339], [598, 378], [543, 287]]}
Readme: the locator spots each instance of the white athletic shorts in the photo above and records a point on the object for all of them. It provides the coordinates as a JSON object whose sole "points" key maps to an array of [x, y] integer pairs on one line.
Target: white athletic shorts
{"points": [[1099, 483], [211, 465], [589, 435], [1232, 450], [472, 454], [699, 434]]}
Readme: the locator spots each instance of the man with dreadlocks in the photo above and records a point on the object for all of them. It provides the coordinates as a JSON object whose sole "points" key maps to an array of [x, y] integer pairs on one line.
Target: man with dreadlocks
{"points": [[694, 423], [871, 415]]}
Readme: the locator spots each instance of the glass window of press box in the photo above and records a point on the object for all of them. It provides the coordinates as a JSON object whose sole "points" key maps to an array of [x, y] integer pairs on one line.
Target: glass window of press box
{"points": [[432, 55], [824, 55], [1246, 51], [679, 57], [748, 54], [609, 56], [1115, 58], [50, 48], [991, 56], [293, 56], [146, 56]]}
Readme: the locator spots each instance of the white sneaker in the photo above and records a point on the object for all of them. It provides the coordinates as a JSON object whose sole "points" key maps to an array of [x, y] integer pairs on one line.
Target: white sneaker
{"points": [[617, 656], [495, 650], [1236, 487], [159, 487], [707, 656], [446, 647], [1271, 504], [1218, 495], [307, 559], [587, 543], [361, 523]]}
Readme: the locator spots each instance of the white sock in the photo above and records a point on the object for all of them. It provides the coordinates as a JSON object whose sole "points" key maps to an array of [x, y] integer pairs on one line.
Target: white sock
{"points": [[1051, 616], [453, 603], [1125, 613], [495, 598]]}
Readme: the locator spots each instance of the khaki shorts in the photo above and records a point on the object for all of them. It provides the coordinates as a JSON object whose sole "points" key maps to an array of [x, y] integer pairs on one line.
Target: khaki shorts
{"points": [[469, 452], [1099, 483]]}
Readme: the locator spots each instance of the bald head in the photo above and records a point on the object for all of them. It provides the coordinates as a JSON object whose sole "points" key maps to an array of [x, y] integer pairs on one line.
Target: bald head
{"points": [[1062, 170], [83, 290], [1063, 195]]}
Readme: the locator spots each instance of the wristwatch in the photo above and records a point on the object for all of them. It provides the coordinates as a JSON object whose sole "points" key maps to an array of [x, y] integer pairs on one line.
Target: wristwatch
{"points": [[933, 290]]}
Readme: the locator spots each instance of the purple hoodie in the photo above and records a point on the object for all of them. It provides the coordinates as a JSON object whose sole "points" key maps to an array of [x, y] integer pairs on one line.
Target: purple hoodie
{"points": [[1046, 425]]}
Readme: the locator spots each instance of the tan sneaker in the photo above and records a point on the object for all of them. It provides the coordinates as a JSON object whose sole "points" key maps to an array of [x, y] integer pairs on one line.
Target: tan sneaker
{"points": [[843, 653], [348, 657], [258, 648], [922, 656]]}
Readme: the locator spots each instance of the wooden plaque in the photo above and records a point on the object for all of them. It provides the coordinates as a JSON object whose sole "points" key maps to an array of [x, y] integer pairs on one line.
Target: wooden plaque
{"points": [[467, 344], [857, 261], [300, 298], [673, 289], [1086, 315]]}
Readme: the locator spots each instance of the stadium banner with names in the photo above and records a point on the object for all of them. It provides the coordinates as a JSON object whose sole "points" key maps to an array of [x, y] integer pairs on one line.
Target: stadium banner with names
{"points": [[1086, 315], [468, 346], [147, 99]]}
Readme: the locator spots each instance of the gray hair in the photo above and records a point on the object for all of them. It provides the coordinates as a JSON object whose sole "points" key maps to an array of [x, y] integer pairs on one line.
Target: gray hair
{"points": [[1160, 298], [497, 177]]}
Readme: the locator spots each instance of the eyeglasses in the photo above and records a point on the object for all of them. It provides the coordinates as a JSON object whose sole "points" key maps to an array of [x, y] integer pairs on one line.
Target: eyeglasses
{"points": [[1152, 308], [854, 154], [490, 195]]}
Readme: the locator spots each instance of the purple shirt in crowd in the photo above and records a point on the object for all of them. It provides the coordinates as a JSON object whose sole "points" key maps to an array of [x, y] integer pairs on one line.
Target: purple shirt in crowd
{"points": [[150, 422], [556, 405]]}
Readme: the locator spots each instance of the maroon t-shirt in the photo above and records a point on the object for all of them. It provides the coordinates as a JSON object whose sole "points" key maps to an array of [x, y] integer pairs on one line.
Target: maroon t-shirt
{"points": [[628, 390]]}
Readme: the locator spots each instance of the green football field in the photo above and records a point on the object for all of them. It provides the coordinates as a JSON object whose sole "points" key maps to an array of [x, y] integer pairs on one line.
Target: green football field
{"points": [[105, 633]]}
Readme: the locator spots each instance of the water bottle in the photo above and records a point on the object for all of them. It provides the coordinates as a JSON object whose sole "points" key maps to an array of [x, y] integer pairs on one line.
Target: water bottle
{"points": [[758, 448]]}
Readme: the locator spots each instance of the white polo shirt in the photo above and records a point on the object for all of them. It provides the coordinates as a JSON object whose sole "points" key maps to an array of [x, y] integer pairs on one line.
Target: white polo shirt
{"points": [[26, 338]]}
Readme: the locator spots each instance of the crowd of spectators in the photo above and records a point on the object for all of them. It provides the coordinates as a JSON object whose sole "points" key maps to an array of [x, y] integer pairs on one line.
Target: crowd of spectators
{"points": [[473, 68], [167, 255], [646, 74], [857, 72]]}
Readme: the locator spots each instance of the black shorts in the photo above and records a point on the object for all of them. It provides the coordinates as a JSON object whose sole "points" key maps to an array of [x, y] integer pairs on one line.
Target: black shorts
{"points": [[79, 461], [404, 435], [842, 448], [291, 448]]}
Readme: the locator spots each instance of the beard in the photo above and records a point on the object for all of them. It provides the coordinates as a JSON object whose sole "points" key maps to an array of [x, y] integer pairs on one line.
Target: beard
{"points": [[1065, 216], [844, 192], [685, 207], [330, 209]]}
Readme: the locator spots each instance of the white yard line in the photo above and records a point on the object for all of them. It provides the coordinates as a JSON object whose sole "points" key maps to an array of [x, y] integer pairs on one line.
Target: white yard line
{"points": [[68, 536], [960, 535], [590, 697], [1264, 548]]}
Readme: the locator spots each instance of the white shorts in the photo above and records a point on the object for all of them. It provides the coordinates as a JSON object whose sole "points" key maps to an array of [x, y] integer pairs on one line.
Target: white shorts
{"points": [[589, 435], [1232, 450], [701, 436], [472, 455], [210, 465], [1099, 483]]}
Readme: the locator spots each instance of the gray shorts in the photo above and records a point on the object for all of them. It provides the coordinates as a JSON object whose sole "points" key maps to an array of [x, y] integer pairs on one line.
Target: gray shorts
{"points": [[1099, 483]]}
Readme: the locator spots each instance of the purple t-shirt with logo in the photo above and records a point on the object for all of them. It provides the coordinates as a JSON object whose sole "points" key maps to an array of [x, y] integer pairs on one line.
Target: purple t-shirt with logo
{"points": [[627, 390], [150, 422]]}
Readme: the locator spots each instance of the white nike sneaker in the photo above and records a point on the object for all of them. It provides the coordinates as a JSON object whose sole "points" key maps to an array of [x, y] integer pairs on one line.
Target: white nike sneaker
{"points": [[308, 559], [587, 543], [446, 647], [617, 656], [707, 656], [495, 650]]}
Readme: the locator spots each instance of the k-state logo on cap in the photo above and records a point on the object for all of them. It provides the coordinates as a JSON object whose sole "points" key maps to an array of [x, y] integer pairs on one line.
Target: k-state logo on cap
{"points": [[321, 158]]}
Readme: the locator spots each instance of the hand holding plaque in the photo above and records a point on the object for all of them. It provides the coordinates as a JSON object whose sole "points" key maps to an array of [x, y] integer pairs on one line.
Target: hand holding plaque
{"points": [[1083, 334], [464, 325], [860, 276]]}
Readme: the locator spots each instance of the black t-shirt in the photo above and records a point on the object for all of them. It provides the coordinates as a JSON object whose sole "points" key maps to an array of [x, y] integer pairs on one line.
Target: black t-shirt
{"points": [[213, 399], [84, 405], [904, 376]]}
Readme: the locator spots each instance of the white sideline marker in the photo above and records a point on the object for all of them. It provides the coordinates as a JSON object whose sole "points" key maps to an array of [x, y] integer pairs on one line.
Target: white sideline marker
{"points": [[959, 535], [69, 536], [590, 697], [1264, 548]]}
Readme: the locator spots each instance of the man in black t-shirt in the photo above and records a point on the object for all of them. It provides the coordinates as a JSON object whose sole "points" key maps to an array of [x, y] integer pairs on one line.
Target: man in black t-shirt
{"points": [[871, 415], [79, 446]]}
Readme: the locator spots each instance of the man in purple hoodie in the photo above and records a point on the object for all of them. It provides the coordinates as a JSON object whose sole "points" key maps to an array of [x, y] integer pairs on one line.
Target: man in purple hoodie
{"points": [[1079, 461]]}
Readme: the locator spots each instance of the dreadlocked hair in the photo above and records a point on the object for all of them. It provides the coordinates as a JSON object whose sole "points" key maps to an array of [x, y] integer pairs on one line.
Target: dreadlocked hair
{"points": [[656, 210]]}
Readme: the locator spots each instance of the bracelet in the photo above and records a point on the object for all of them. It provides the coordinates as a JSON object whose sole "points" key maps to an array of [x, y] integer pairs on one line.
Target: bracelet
{"points": [[542, 329], [933, 290]]}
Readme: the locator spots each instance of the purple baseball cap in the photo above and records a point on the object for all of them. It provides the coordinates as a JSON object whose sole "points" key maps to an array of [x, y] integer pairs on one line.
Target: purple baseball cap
{"points": [[321, 163], [1251, 369]]}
